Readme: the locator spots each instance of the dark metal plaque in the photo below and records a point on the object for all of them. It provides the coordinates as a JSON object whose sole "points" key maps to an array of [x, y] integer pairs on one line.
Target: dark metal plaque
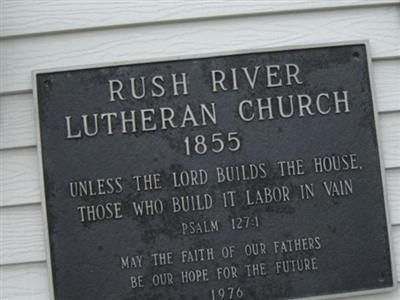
{"points": [[239, 176]]}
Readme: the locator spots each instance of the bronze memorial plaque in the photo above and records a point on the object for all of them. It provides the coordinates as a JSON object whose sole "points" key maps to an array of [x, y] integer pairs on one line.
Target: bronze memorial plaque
{"points": [[224, 177]]}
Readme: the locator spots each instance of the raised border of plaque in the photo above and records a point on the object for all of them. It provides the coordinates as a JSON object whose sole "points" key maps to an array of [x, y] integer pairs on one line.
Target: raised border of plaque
{"points": [[173, 59]]}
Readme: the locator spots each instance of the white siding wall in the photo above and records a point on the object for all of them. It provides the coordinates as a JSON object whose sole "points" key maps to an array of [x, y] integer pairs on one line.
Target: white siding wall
{"points": [[37, 34]]}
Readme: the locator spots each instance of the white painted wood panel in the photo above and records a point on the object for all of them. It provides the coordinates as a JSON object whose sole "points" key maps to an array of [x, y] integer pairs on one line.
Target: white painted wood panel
{"points": [[20, 56], [30, 280], [17, 121], [24, 282], [22, 234], [393, 194], [23, 17], [389, 127], [386, 76], [19, 177]]}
